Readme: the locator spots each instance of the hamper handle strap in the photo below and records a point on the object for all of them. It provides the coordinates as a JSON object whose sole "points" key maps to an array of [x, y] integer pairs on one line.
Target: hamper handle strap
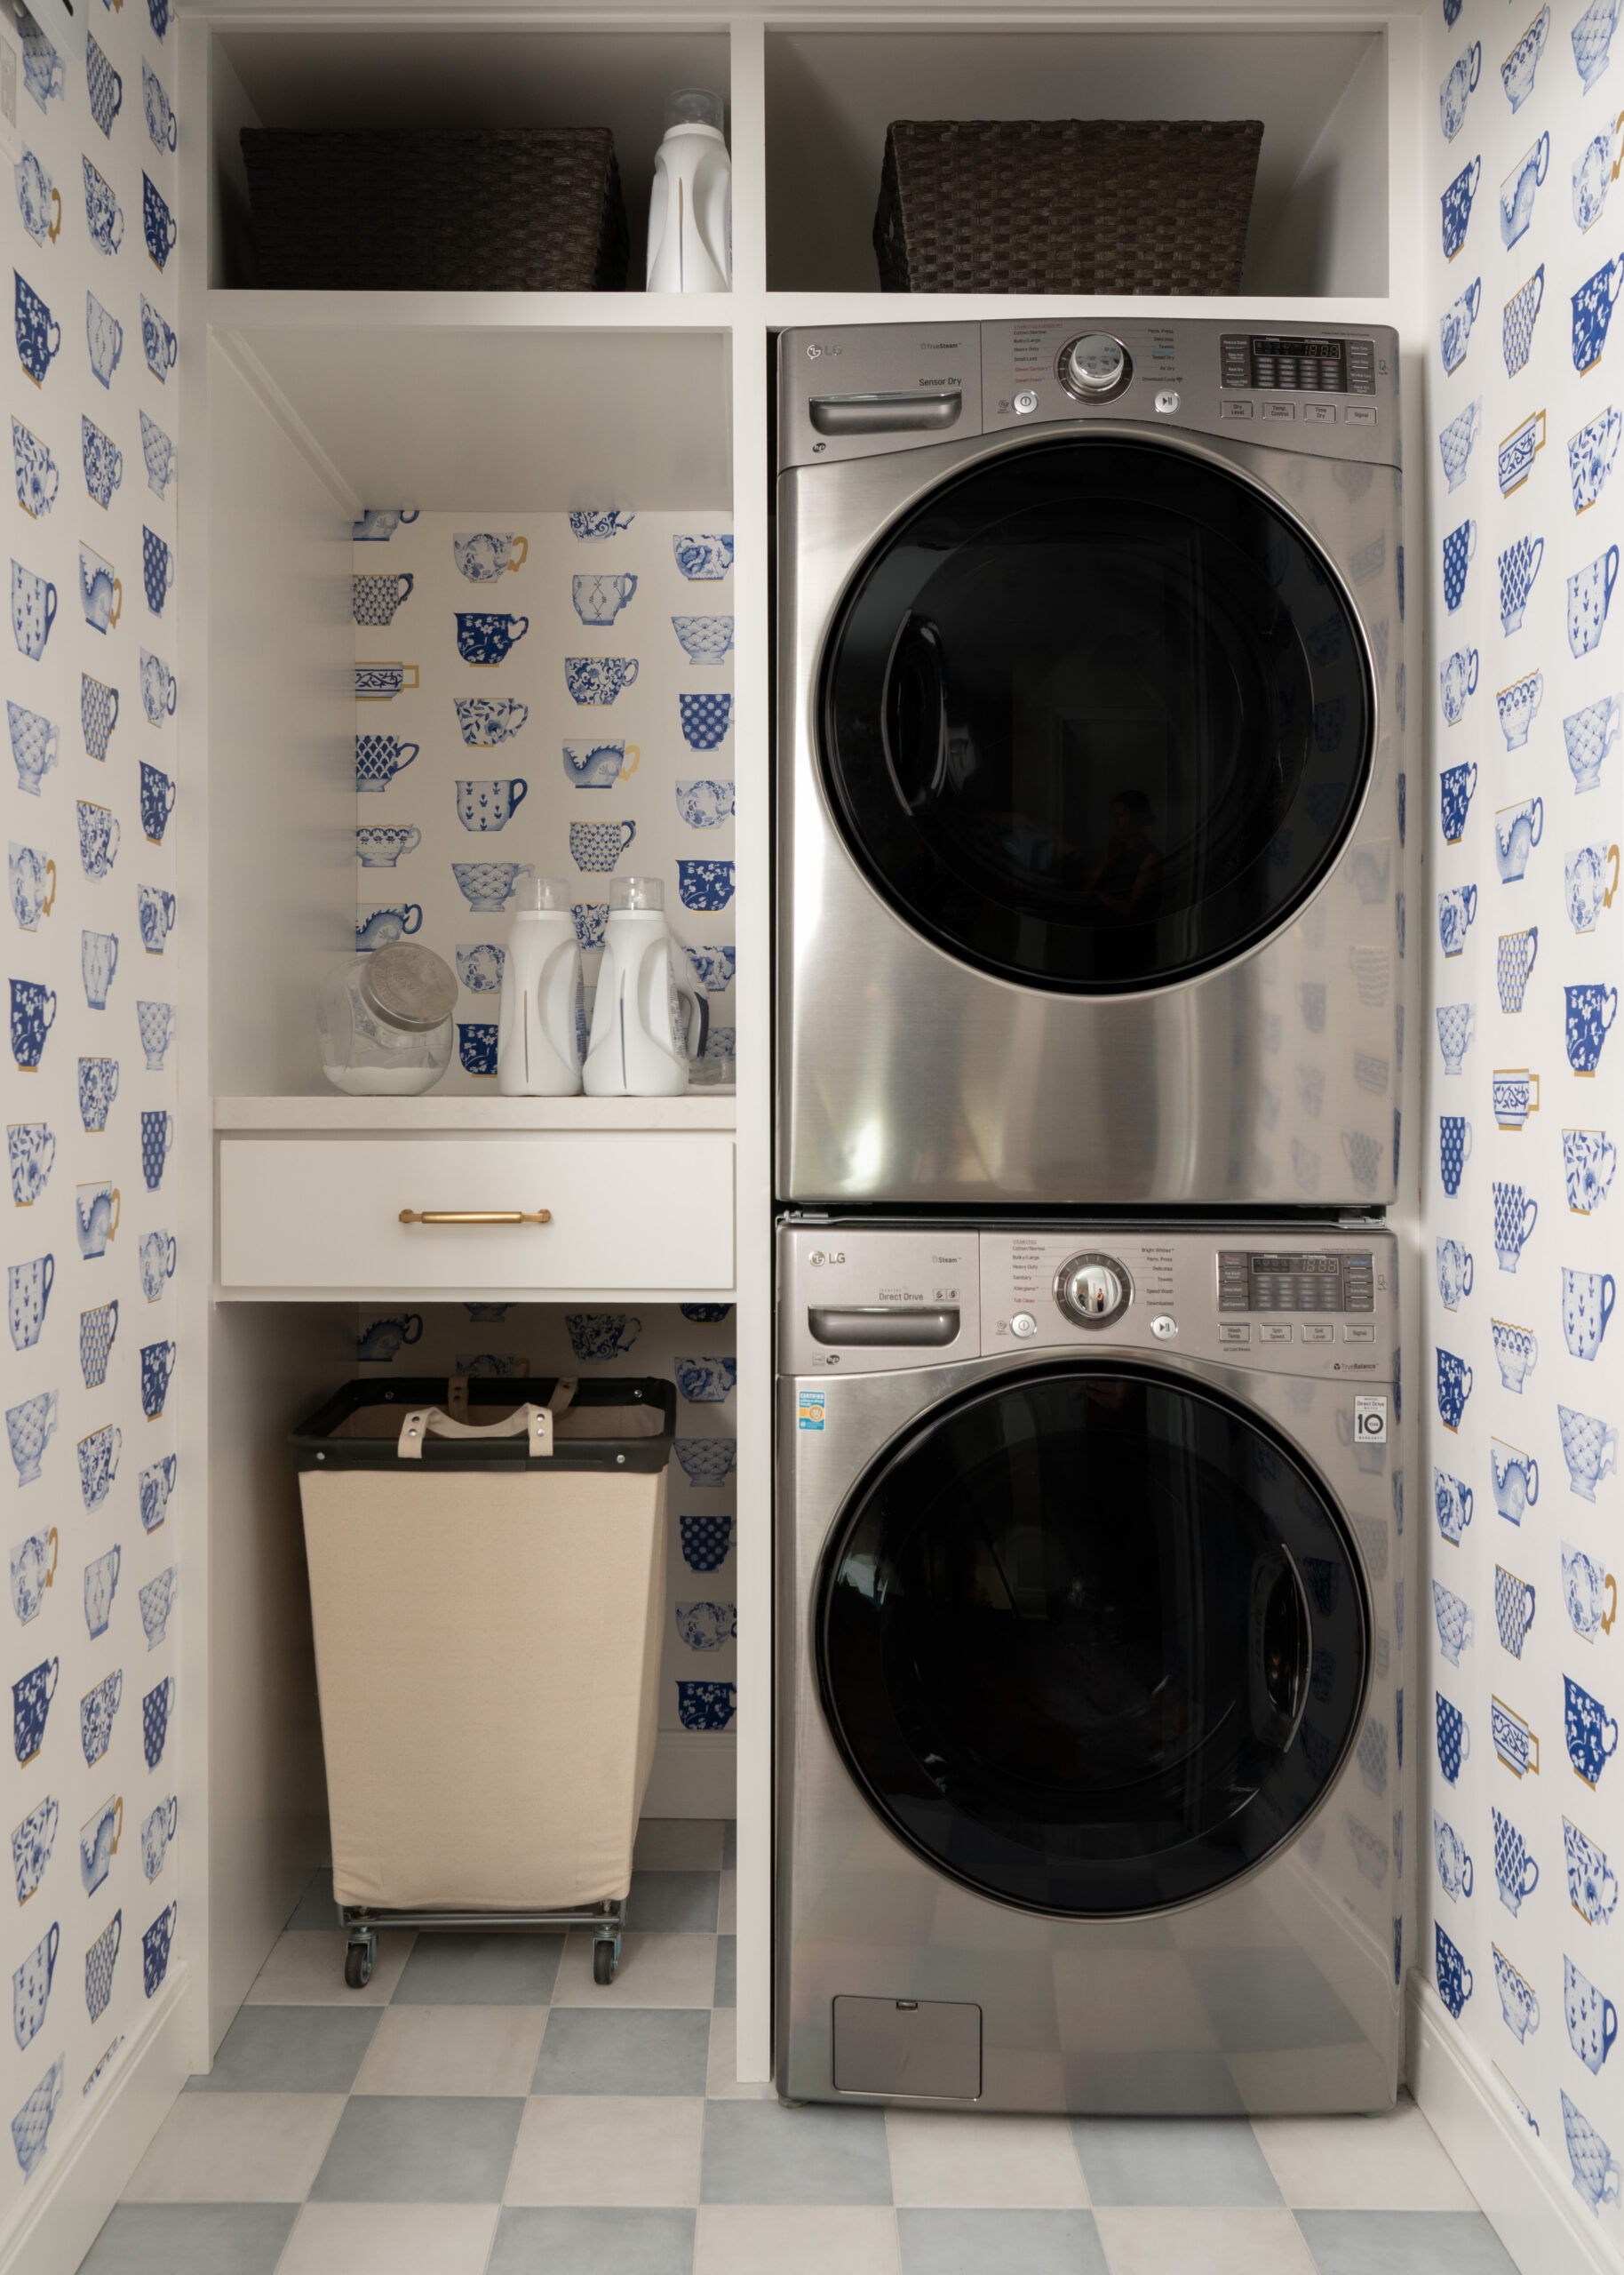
{"points": [[528, 1421]]}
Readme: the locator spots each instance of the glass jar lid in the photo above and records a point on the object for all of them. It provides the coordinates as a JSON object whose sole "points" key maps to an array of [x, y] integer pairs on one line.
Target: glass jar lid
{"points": [[409, 987]]}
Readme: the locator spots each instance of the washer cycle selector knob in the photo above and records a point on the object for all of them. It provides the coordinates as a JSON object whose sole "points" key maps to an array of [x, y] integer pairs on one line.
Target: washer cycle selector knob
{"points": [[1095, 367], [1093, 1291]]}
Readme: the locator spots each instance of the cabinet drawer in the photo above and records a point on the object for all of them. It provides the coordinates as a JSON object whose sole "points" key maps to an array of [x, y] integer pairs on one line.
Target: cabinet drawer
{"points": [[638, 1212]]}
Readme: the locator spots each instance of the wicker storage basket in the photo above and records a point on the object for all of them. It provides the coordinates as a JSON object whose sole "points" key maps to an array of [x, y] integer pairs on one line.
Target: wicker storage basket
{"points": [[1065, 205], [516, 210]]}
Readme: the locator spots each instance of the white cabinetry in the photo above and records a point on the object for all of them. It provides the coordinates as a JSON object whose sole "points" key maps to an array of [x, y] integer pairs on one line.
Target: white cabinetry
{"points": [[328, 403]]}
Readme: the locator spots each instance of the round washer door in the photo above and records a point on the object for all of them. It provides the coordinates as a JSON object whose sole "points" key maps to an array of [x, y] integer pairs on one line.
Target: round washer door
{"points": [[1091, 1641], [1096, 716]]}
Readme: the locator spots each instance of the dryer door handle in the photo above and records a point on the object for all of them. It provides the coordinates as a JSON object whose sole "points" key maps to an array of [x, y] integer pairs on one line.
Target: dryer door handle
{"points": [[871, 1324]]}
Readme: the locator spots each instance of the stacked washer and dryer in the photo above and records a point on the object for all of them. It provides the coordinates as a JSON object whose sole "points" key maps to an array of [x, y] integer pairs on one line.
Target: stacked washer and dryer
{"points": [[1092, 1773]]}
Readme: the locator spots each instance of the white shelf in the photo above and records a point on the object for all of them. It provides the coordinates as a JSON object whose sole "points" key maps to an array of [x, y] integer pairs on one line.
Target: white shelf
{"points": [[332, 1115], [235, 308]]}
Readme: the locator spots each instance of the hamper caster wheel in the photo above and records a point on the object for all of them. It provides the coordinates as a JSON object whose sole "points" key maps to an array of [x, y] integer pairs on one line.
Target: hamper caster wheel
{"points": [[605, 1959], [358, 1965]]}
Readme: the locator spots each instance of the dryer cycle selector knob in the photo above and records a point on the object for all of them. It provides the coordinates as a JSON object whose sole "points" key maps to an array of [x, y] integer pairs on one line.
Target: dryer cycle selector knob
{"points": [[1093, 1291], [1095, 367]]}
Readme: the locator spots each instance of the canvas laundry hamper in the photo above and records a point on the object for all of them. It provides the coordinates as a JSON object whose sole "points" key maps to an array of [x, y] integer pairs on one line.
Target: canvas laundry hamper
{"points": [[487, 1619]]}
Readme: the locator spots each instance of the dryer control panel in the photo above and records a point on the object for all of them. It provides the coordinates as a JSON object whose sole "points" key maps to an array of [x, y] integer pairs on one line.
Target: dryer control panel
{"points": [[866, 1298], [858, 391]]}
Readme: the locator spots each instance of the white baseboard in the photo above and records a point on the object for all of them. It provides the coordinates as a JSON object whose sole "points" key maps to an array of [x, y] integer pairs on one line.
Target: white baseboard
{"points": [[1523, 2190], [693, 1776], [57, 2226]]}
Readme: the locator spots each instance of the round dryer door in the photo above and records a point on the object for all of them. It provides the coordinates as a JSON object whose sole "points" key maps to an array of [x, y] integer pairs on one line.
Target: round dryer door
{"points": [[1091, 1642], [1096, 716]]}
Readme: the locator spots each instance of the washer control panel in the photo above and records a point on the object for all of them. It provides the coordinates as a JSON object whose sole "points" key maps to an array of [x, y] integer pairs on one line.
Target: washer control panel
{"points": [[867, 1298], [1324, 1304]]}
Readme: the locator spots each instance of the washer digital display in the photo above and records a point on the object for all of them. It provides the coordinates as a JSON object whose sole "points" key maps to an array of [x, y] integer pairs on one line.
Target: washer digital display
{"points": [[1288, 1281]]}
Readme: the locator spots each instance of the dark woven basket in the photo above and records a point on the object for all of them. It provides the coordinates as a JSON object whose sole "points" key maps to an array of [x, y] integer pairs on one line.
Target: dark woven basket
{"points": [[1065, 205], [512, 210]]}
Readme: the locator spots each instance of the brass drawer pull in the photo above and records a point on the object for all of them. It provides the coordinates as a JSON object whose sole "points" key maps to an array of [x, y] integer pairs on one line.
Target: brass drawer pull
{"points": [[476, 1216]]}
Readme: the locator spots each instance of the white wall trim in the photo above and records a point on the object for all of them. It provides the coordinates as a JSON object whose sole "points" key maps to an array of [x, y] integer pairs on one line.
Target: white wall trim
{"points": [[61, 2223], [693, 1775], [1531, 2206]]}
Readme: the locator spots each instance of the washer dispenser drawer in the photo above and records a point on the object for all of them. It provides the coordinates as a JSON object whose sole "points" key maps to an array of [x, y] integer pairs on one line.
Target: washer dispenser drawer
{"points": [[925, 2048]]}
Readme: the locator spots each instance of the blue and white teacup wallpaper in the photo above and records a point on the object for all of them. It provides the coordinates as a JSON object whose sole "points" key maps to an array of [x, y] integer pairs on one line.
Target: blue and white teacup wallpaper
{"points": [[693, 1345], [1524, 1084], [91, 943], [547, 693], [91, 1548]]}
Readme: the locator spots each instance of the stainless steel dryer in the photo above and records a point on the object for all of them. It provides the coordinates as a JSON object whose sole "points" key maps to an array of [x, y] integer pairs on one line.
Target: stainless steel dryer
{"points": [[1090, 764], [1092, 1768]]}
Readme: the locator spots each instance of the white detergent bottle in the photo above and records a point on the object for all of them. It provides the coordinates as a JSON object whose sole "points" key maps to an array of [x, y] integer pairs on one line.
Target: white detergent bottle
{"points": [[641, 1033], [538, 1051], [690, 216]]}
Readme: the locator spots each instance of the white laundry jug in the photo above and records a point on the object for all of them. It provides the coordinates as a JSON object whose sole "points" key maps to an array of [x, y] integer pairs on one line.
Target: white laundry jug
{"points": [[538, 1047], [690, 214], [642, 1035]]}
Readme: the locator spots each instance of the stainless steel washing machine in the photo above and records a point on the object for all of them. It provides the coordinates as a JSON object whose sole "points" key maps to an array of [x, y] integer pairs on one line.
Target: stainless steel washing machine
{"points": [[1090, 765], [1091, 1749]]}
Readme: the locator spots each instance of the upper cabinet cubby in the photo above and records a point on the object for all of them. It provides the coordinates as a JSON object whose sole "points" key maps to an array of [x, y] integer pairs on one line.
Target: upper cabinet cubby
{"points": [[1319, 217], [398, 76]]}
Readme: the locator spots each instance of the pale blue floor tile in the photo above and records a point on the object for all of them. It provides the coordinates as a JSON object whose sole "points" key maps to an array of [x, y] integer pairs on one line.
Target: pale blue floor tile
{"points": [[191, 2239], [515, 1969], [290, 2050], [625, 2050], [1208, 2161], [1404, 2243], [983, 2243], [760, 2152], [420, 2149], [660, 1902], [558, 2240], [726, 1993]]}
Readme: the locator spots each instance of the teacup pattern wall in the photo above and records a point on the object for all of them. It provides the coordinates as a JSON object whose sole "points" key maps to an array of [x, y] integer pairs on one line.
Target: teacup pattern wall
{"points": [[547, 693], [1523, 1226], [690, 1345], [92, 799]]}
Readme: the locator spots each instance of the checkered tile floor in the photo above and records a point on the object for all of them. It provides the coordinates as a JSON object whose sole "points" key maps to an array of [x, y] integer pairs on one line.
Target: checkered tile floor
{"points": [[483, 2109]]}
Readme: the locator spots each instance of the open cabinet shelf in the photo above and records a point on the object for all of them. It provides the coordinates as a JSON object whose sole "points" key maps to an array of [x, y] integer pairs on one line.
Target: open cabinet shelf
{"points": [[401, 75], [1319, 215]]}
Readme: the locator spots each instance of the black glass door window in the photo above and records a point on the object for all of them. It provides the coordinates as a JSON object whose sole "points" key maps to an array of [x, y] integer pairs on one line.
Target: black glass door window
{"points": [[1091, 1641], [1096, 717]]}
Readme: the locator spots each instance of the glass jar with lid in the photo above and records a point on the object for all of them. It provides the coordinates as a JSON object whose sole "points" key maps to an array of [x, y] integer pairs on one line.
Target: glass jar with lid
{"points": [[384, 1026]]}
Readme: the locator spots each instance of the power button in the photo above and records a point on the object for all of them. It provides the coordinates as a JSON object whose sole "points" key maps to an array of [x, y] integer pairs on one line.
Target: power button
{"points": [[1024, 1325], [1026, 402]]}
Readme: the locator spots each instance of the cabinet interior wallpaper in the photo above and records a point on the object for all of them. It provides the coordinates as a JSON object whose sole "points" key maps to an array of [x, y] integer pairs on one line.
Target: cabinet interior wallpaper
{"points": [[691, 1344], [88, 1918], [547, 693], [1524, 1802]]}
